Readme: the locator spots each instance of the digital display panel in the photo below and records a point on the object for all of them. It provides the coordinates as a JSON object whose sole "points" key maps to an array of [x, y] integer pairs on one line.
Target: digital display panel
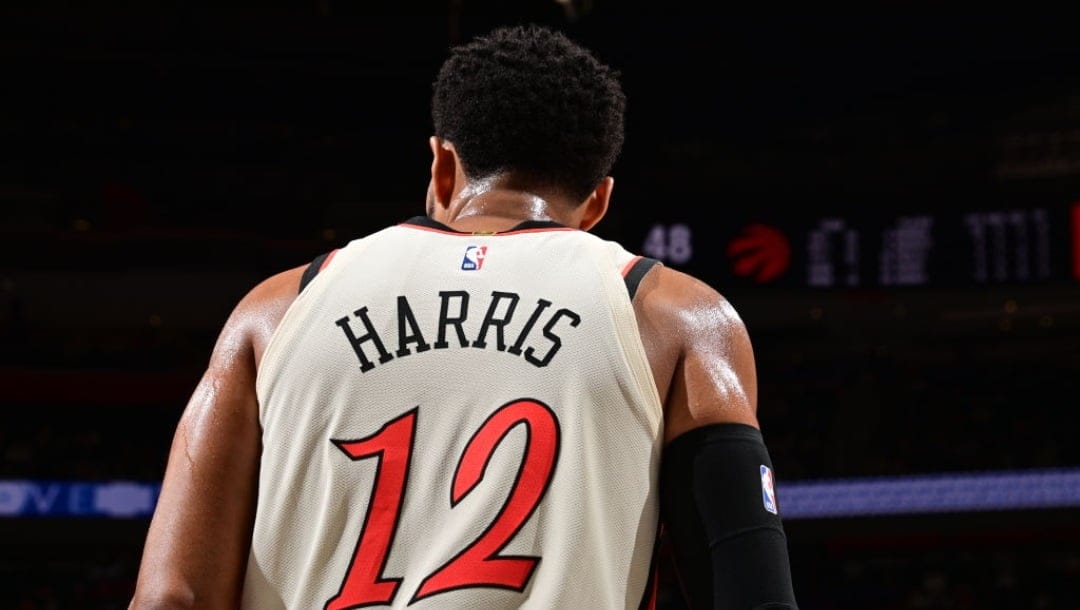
{"points": [[1014, 245]]}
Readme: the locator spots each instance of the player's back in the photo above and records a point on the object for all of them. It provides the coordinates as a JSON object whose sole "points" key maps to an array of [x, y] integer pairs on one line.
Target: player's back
{"points": [[458, 421]]}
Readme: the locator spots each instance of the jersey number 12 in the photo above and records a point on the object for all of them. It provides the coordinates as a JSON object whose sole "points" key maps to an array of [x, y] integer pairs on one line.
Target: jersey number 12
{"points": [[479, 564]]}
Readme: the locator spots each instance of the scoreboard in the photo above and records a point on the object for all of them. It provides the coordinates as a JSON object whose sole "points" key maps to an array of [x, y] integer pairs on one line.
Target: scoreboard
{"points": [[978, 247]]}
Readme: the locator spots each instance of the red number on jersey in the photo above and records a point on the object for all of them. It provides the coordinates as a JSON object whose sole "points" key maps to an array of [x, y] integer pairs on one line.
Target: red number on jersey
{"points": [[392, 445], [479, 564]]}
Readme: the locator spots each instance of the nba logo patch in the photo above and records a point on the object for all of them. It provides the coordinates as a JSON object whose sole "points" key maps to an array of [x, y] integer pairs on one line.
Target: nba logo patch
{"points": [[474, 258], [768, 493]]}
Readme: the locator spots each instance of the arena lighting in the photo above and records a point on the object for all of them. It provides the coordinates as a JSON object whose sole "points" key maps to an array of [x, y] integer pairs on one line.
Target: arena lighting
{"points": [[817, 499], [936, 493]]}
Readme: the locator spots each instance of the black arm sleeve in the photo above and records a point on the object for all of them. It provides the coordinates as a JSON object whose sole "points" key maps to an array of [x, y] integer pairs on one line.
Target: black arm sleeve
{"points": [[720, 514]]}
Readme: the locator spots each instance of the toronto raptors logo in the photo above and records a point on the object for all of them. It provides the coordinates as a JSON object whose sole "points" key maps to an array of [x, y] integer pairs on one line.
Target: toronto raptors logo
{"points": [[760, 252]]}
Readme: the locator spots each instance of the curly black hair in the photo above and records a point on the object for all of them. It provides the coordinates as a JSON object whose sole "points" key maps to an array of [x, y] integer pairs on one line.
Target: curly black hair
{"points": [[529, 100]]}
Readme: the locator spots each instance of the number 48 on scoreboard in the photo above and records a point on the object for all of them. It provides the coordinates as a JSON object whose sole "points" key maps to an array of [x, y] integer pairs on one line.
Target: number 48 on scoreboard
{"points": [[669, 243]]}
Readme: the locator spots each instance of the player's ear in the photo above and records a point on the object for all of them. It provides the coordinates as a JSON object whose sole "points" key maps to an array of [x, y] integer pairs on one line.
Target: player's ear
{"points": [[443, 170], [594, 208]]}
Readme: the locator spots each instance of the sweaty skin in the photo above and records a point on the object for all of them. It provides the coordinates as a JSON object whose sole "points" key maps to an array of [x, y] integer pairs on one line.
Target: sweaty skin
{"points": [[198, 541]]}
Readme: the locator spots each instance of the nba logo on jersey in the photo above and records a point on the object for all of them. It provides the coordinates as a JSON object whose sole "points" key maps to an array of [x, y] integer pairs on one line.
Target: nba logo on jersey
{"points": [[474, 258], [768, 494]]}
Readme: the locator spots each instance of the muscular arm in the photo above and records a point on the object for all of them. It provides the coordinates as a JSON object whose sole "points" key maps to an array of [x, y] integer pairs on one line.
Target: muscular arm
{"points": [[701, 353], [730, 550], [197, 544]]}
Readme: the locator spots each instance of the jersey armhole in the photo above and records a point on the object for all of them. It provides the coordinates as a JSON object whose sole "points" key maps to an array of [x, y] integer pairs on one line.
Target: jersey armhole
{"points": [[318, 264], [635, 270]]}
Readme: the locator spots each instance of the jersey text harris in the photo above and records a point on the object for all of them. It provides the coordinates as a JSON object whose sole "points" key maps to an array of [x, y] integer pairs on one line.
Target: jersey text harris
{"points": [[538, 348]]}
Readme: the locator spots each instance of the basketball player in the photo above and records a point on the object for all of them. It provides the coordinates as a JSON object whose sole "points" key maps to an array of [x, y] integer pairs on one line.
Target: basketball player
{"points": [[486, 406]]}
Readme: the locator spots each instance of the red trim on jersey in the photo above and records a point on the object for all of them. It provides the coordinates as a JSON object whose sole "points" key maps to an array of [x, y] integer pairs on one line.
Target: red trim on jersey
{"points": [[474, 235], [630, 265], [329, 257], [537, 230], [652, 588], [655, 586]]}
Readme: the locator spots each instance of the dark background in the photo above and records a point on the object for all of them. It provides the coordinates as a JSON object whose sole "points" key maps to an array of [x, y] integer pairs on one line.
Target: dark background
{"points": [[158, 160]]}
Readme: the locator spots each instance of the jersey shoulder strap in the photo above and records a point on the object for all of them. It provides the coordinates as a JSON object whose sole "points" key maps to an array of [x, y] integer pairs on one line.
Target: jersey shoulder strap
{"points": [[635, 271], [317, 264]]}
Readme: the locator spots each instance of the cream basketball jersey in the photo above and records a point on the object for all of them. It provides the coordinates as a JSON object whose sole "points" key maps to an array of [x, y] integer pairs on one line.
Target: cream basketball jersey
{"points": [[456, 420]]}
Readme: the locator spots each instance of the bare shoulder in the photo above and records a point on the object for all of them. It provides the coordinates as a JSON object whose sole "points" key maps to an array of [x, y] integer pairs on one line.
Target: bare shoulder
{"points": [[700, 350], [688, 312], [257, 315], [673, 292]]}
